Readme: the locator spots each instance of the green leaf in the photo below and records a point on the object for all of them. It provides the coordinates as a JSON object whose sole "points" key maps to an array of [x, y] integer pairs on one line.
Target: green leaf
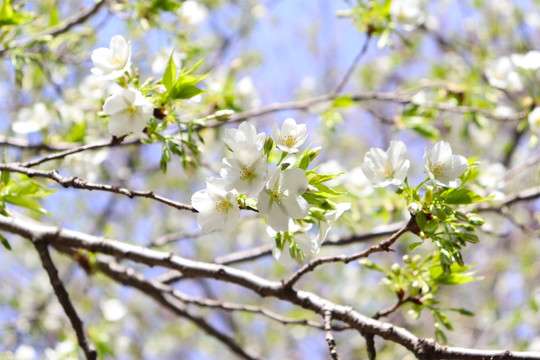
{"points": [[5, 242], [77, 132], [25, 202], [328, 192], [421, 220], [344, 101], [462, 311], [444, 320], [184, 86], [170, 73], [302, 161], [462, 196], [415, 245], [315, 178], [8, 16]]}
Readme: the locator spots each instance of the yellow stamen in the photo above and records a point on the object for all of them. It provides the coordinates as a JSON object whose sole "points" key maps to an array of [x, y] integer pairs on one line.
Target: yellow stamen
{"points": [[246, 173], [289, 140], [278, 196], [438, 169], [117, 61], [223, 206], [387, 170]]}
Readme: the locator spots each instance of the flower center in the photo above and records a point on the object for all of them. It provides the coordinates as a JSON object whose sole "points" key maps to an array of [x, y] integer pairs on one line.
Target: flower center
{"points": [[223, 206], [117, 61], [246, 173], [289, 140], [438, 169], [278, 196], [387, 170], [132, 109]]}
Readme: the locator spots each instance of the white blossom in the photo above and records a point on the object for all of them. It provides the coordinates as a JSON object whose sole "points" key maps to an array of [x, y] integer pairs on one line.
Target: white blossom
{"points": [[217, 207], [385, 168], [113, 310], [442, 167], [534, 121], [408, 13], [502, 74], [290, 137], [112, 62], [129, 112], [33, 119], [282, 198], [246, 133], [246, 170], [529, 61], [193, 13]]}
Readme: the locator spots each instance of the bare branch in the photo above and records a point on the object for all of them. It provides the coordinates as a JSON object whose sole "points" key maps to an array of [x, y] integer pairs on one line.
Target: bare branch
{"points": [[173, 303], [113, 142], [353, 66], [263, 287], [63, 298], [266, 250], [383, 246], [24, 144], [78, 183], [329, 336]]}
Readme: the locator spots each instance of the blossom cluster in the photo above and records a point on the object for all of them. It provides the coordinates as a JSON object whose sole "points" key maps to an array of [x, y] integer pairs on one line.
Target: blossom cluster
{"points": [[384, 168], [128, 109], [246, 175]]}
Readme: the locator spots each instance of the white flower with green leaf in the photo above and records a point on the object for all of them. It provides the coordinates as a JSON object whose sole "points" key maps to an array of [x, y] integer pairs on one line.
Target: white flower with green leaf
{"points": [[217, 207], [129, 111], [292, 246], [282, 198], [290, 137], [114, 61], [246, 171], [246, 133], [389, 167], [442, 167]]}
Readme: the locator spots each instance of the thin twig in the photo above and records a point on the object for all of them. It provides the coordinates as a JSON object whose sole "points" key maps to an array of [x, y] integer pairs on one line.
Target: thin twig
{"points": [[353, 66], [133, 279], [263, 287], [266, 250], [63, 298], [383, 246], [24, 144], [327, 315], [78, 149], [79, 183]]}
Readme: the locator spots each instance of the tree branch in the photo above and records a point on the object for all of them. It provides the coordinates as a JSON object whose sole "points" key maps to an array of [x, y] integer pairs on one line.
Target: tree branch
{"points": [[263, 287], [63, 298], [78, 183], [383, 246], [266, 250], [78, 149], [166, 297], [327, 316]]}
